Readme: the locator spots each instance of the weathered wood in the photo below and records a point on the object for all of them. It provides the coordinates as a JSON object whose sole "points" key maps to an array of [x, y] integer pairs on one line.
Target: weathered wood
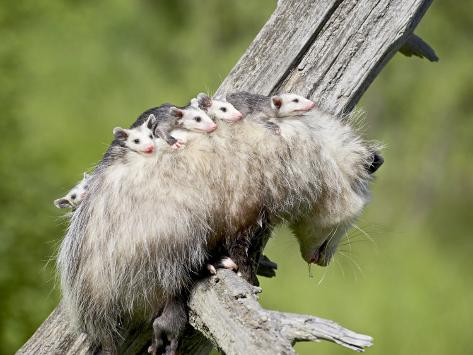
{"points": [[216, 301], [286, 36], [354, 45], [418, 47], [54, 336], [329, 51]]}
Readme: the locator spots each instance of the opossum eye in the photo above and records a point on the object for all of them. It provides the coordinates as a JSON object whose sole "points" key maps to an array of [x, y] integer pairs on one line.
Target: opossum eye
{"points": [[295, 100], [151, 136], [223, 109], [136, 141], [197, 119], [73, 196]]}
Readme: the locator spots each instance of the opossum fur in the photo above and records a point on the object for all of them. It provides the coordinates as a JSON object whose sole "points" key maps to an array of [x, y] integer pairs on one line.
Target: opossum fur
{"points": [[136, 239], [149, 222]]}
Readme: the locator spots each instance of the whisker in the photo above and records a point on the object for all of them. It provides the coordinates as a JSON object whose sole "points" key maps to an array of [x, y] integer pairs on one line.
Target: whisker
{"points": [[354, 262], [340, 266], [323, 277]]}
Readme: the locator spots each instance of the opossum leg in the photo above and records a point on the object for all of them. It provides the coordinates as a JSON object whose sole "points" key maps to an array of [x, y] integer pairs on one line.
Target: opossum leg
{"points": [[238, 247], [178, 144], [170, 323], [163, 133]]}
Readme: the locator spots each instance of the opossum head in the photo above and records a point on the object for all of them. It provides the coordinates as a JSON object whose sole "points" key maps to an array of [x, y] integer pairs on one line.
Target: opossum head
{"points": [[75, 195], [139, 139], [217, 109], [193, 119], [285, 105], [318, 243]]}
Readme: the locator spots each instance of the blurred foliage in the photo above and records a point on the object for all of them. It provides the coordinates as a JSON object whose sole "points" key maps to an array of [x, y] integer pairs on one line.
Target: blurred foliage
{"points": [[72, 70]]}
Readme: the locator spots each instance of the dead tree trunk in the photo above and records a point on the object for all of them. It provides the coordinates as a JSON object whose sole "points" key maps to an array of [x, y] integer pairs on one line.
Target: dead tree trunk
{"points": [[330, 51]]}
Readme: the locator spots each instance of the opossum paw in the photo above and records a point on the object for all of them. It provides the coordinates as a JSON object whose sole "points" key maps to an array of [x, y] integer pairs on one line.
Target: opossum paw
{"points": [[157, 343], [225, 263], [153, 349], [228, 263], [211, 269], [177, 145], [171, 349]]}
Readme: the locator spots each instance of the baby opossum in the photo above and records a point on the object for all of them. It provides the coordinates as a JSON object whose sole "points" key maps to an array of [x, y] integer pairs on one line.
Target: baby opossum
{"points": [[189, 118], [139, 139], [265, 109], [74, 197], [217, 109]]}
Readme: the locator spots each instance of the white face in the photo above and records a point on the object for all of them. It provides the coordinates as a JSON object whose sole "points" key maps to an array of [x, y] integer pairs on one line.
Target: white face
{"points": [[194, 119], [224, 111], [75, 196], [291, 104], [139, 139]]}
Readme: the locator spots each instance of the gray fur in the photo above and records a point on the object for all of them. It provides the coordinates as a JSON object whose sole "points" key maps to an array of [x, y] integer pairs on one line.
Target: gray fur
{"points": [[255, 107], [249, 104]]}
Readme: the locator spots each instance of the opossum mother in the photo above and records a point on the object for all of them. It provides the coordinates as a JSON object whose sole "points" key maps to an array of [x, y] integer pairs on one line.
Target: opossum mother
{"points": [[147, 224]]}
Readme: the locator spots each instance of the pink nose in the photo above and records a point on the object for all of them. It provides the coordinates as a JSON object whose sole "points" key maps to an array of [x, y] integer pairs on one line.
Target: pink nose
{"points": [[212, 127], [149, 149], [239, 116], [311, 105]]}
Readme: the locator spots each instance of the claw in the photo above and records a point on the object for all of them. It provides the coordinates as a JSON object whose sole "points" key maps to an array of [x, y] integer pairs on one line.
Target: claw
{"points": [[228, 263], [211, 269]]}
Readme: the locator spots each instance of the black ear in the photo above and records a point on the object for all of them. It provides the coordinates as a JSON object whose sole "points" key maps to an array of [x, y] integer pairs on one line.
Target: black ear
{"points": [[120, 133], [62, 203], [378, 160], [176, 112], [204, 101], [276, 102]]}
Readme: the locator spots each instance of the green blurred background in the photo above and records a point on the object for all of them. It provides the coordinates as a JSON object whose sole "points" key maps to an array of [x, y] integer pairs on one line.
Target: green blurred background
{"points": [[72, 70]]}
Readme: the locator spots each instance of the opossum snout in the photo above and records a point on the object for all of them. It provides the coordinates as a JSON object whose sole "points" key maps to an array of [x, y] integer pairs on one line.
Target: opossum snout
{"points": [[212, 127], [149, 149], [378, 160], [311, 105], [319, 256]]}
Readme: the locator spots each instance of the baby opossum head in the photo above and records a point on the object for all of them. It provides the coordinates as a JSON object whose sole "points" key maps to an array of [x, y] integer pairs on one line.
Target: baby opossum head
{"points": [[290, 104], [193, 119], [217, 109], [138, 139], [75, 196]]}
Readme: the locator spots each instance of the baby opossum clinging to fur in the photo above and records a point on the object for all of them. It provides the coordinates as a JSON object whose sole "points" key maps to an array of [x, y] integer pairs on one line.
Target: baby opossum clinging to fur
{"points": [[266, 110], [189, 118], [139, 139], [74, 197]]}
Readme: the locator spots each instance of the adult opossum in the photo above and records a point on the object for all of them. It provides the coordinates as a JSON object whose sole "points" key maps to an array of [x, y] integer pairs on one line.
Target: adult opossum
{"points": [[148, 224], [315, 176]]}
